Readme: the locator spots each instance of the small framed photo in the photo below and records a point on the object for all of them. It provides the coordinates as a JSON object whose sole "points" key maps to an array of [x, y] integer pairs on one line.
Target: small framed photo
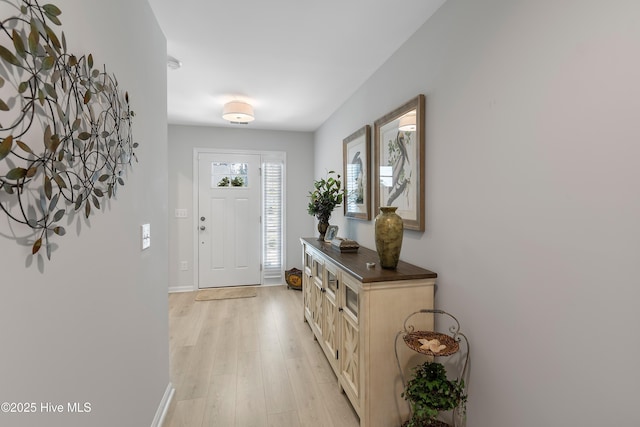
{"points": [[332, 233], [357, 179]]}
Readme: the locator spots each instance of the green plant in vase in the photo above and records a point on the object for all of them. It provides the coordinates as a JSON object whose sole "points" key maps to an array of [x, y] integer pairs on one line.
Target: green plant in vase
{"points": [[430, 392], [325, 197]]}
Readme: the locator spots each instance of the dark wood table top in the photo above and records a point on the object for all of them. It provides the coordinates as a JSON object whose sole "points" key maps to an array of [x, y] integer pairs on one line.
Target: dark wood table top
{"points": [[355, 263]]}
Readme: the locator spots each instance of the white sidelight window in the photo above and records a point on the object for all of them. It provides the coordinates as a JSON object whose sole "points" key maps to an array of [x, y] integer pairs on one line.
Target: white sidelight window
{"points": [[273, 218]]}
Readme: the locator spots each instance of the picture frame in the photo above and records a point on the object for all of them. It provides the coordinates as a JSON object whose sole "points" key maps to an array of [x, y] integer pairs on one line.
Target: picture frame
{"points": [[399, 162], [357, 179], [331, 233]]}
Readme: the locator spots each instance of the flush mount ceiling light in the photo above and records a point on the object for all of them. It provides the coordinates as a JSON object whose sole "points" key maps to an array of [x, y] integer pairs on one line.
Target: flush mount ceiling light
{"points": [[238, 112], [173, 63], [408, 122]]}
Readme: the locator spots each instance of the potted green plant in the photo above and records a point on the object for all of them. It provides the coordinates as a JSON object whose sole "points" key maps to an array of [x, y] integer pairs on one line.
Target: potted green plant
{"points": [[325, 197], [430, 392]]}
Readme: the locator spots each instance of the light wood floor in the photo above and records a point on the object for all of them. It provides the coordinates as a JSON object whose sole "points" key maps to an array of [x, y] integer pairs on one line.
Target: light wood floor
{"points": [[250, 362]]}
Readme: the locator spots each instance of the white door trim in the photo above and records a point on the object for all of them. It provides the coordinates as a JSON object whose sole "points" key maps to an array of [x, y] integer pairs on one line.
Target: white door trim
{"points": [[195, 196]]}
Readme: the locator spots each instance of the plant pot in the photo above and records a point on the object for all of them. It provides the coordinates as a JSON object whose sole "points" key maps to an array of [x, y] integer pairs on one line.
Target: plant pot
{"points": [[389, 229], [323, 224]]}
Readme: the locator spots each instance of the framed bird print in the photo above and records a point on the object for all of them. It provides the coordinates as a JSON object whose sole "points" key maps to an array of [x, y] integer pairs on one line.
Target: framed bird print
{"points": [[399, 162], [357, 179]]}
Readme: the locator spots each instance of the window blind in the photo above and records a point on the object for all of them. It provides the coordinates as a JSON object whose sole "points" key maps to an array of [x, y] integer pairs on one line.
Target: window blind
{"points": [[272, 219]]}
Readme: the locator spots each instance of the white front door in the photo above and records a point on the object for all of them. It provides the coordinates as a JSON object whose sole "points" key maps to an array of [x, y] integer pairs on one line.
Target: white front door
{"points": [[228, 219]]}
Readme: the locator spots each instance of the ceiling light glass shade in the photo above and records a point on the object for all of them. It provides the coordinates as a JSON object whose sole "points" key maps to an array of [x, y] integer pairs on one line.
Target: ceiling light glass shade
{"points": [[236, 111], [408, 122]]}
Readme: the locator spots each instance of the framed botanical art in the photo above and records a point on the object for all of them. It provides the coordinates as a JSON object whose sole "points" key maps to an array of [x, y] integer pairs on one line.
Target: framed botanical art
{"points": [[399, 162], [357, 179]]}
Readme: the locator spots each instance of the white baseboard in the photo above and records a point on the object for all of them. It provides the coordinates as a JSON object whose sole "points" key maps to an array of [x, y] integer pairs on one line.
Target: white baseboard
{"points": [[164, 406], [175, 289]]}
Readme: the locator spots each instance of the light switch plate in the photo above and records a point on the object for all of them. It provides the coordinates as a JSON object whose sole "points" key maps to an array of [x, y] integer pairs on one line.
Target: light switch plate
{"points": [[181, 213], [146, 235]]}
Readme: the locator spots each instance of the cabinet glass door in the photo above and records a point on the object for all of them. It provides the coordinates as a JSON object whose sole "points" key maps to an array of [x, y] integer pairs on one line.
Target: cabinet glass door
{"points": [[351, 301], [307, 283], [330, 313], [316, 315], [307, 260], [332, 281], [317, 270], [350, 338], [350, 358]]}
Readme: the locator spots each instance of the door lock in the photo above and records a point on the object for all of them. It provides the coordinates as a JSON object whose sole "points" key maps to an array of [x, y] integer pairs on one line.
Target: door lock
{"points": [[202, 218]]}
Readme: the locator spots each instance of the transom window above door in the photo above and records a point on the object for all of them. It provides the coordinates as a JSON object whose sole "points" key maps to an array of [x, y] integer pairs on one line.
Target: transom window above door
{"points": [[228, 174]]}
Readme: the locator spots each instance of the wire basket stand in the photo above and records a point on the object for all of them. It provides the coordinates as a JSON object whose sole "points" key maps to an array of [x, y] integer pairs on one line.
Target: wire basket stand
{"points": [[450, 344]]}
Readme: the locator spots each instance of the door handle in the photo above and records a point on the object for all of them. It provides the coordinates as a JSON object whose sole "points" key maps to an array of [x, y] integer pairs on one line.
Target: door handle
{"points": [[202, 227]]}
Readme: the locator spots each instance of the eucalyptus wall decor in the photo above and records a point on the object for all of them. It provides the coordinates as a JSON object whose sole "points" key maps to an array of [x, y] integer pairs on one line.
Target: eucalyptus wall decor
{"points": [[65, 127]]}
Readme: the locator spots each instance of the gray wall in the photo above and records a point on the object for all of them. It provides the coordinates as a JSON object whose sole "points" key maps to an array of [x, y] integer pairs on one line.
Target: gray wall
{"points": [[298, 147], [532, 199], [91, 324]]}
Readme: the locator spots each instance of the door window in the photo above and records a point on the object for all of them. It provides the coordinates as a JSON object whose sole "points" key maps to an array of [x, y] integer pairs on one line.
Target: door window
{"points": [[225, 174]]}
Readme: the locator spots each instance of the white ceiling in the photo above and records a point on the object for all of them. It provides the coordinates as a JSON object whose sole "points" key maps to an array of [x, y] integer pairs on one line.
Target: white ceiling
{"points": [[295, 61]]}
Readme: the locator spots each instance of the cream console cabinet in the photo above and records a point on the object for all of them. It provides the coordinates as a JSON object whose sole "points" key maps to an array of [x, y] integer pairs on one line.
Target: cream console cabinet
{"points": [[355, 313]]}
